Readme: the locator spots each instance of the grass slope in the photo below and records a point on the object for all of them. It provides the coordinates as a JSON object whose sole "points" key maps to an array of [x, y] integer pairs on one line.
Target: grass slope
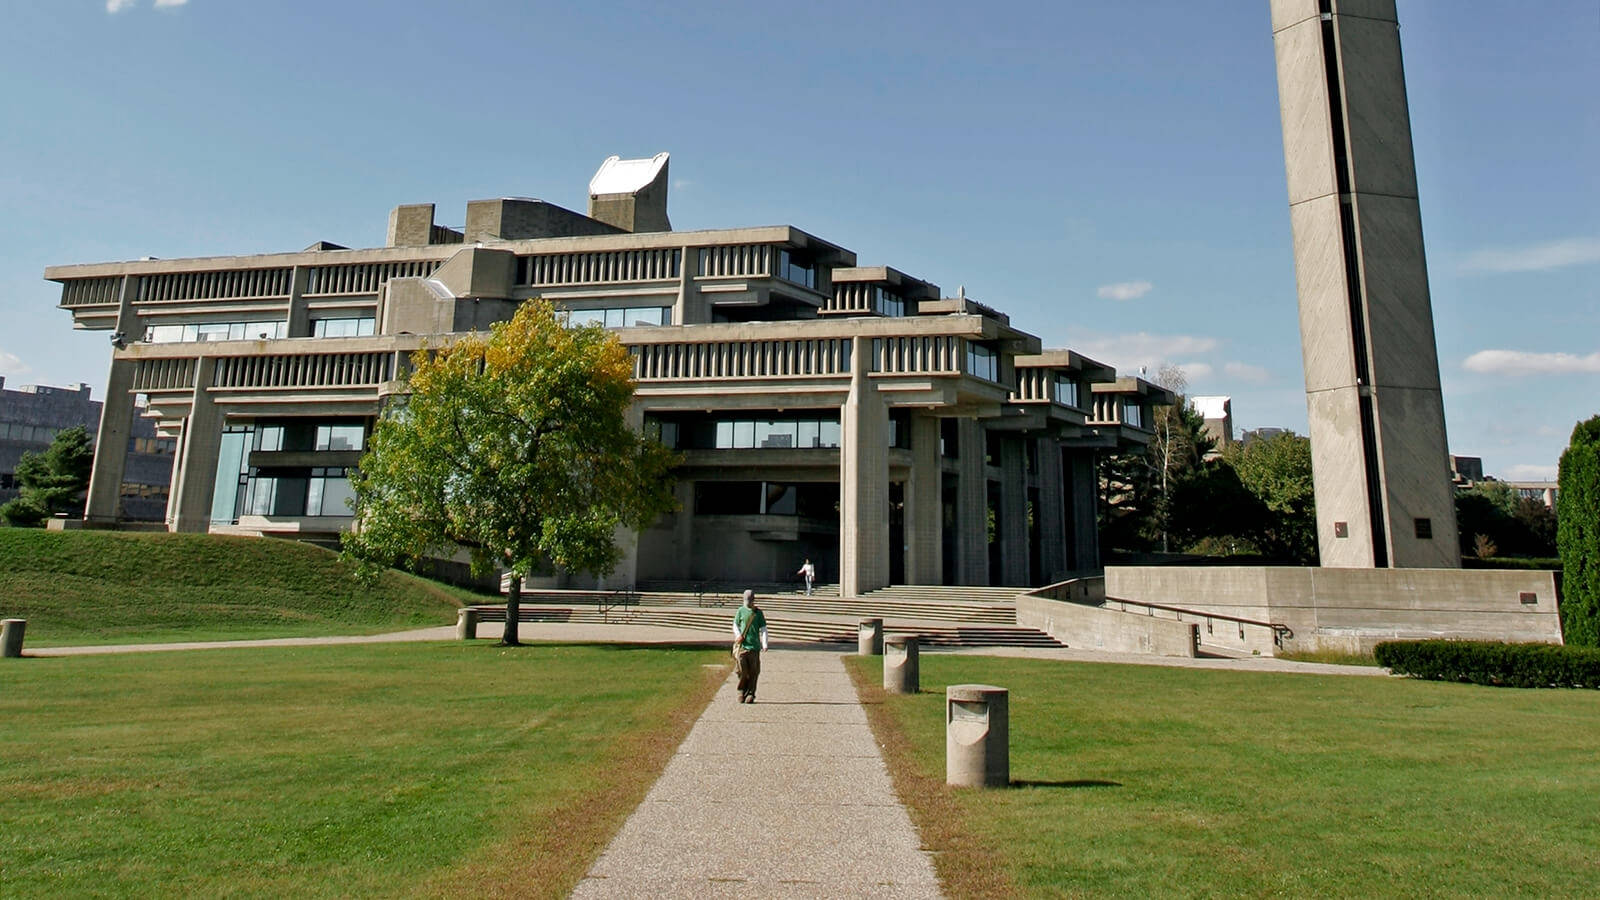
{"points": [[447, 769], [96, 587], [1151, 781]]}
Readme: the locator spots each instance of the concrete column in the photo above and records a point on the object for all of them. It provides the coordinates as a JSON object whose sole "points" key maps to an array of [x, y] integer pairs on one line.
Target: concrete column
{"points": [[1051, 511], [1012, 517], [1082, 489], [863, 481], [626, 540], [104, 500], [924, 562], [972, 505], [299, 323], [683, 531], [197, 468], [1373, 398]]}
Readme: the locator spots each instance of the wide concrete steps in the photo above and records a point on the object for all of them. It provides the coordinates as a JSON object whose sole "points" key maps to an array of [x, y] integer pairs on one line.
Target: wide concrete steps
{"points": [[933, 608], [780, 626]]}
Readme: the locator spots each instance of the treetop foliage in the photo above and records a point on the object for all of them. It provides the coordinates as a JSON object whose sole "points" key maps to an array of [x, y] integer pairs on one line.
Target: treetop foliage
{"points": [[514, 446], [52, 481]]}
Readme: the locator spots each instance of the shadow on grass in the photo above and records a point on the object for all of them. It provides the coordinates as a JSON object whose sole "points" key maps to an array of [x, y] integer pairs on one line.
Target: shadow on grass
{"points": [[1081, 783]]}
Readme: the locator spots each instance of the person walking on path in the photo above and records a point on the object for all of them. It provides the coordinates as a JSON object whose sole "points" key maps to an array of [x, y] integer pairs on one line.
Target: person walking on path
{"points": [[809, 573], [750, 638]]}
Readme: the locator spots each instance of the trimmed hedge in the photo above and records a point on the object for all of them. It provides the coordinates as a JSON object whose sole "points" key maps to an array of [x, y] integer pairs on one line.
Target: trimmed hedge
{"points": [[1493, 663]]}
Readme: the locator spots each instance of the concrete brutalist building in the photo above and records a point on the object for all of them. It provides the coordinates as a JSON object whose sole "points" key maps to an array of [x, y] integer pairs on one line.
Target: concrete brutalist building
{"points": [[33, 414], [853, 415]]}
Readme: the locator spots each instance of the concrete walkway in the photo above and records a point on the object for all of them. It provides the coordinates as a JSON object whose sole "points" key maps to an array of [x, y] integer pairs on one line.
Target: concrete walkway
{"points": [[786, 797]]}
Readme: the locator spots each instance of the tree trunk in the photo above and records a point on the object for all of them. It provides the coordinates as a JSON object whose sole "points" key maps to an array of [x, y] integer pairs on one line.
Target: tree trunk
{"points": [[513, 612]]}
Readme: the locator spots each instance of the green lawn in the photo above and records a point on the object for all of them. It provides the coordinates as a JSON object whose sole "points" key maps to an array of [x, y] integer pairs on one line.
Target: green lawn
{"points": [[1149, 781], [99, 587], [380, 770]]}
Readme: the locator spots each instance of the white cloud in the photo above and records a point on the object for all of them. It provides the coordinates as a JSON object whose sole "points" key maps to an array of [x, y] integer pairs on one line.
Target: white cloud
{"points": [[1245, 372], [116, 6], [1522, 362], [1536, 258], [164, 3], [1193, 370], [1530, 472], [1124, 290], [12, 365]]}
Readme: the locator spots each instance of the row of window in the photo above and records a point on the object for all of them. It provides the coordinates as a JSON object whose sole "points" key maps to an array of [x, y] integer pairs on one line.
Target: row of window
{"points": [[304, 436], [352, 326], [774, 432], [161, 446], [296, 492], [28, 434], [215, 331], [623, 317], [144, 491], [815, 500]]}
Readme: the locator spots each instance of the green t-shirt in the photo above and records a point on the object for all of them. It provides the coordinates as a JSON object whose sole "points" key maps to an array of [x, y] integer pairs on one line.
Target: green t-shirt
{"points": [[752, 636]]}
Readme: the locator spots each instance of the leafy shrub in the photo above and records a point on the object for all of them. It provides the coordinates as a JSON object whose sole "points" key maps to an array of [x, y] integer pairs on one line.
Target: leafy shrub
{"points": [[1493, 663]]}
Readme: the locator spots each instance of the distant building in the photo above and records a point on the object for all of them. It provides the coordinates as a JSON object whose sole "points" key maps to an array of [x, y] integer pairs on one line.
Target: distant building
{"points": [[1218, 413], [1465, 470], [1543, 491], [1266, 432], [32, 415]]}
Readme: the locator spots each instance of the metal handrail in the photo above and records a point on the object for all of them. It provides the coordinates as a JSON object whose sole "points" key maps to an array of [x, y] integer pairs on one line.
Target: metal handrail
{"points": [[1278, 628]]}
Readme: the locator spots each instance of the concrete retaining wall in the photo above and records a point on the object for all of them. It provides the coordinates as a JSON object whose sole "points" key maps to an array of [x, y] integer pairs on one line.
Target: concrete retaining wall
{"points": [[1098, 628], [1350, 610]]}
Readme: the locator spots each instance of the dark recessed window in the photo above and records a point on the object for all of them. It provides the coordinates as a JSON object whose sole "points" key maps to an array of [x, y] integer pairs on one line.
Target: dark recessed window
{"points": [[1424, 529], [1341, 529]]}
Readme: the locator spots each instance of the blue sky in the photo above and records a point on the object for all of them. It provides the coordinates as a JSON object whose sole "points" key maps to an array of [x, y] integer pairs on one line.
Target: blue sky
{"points": [[1110, 174]]}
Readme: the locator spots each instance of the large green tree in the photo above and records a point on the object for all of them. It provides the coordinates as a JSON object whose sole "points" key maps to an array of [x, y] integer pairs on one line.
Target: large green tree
{"points": [[1140, 488], [1277, 470], [53, 481], [515, 447], [1578, 534]]}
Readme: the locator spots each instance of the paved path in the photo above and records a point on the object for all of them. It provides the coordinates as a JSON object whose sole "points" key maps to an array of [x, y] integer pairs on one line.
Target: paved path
{"points": [[786, 797], [650, 634]]}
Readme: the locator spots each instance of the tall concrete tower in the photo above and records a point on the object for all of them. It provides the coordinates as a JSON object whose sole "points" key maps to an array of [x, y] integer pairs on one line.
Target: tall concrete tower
{"points": [[1379, 456]]}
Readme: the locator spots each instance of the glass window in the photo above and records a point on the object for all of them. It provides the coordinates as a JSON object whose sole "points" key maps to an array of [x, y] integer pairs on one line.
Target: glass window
{"points": [[777, 499], [807, 434], [354, 326], [724, 435], [163, 334], [327, 493], [982, 362], [796, 268], [775, 434], [217, 331], [1066, 391], [744, 435], [829, 436], [269, 438], [1133, 414], [887, 302], [340, 437]]}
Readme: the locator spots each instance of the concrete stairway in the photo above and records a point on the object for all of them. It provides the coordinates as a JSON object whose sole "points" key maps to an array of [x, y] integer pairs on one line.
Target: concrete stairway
{"points": [[942, 616]]}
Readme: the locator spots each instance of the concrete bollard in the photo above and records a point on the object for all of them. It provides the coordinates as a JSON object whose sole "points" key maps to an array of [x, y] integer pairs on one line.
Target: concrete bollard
{"points": [[11, 631], [869, 639], [977, 735], [466, 624], [900, 675]]}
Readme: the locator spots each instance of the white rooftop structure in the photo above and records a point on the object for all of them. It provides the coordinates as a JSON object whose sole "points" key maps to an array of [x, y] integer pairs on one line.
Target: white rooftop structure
{"points": [[1211, 407], [625, 176]]}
